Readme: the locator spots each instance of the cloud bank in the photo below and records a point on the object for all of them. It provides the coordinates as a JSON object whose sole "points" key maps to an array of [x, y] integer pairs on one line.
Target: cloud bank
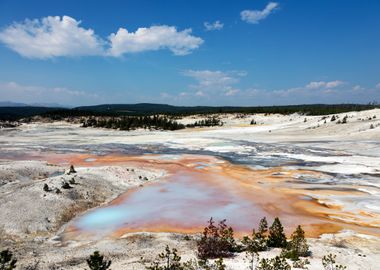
{"points": [[63, 36]]}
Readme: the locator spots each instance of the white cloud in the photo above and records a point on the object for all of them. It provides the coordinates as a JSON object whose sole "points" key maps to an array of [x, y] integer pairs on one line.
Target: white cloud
{"points": [[254, 16], [39, 94], [323, 84], [378, 86], [63, 36], [217, 25], [357, 88], [200, 93], [208, 78], [214, 83], [51, 37], [153, 38], [231, 92]]}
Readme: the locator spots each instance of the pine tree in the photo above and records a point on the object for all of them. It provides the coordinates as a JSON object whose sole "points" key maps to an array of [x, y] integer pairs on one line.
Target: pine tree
{"points": [[277, 236], [97, 262], [298, 242], [263, 226], [216, 241]]}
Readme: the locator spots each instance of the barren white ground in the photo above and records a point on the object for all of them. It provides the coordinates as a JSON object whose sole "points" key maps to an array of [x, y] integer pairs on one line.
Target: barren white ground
{"points": [[31, 220]]}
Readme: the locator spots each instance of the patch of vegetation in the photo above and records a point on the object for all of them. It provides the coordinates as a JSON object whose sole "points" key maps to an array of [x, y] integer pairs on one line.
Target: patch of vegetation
{"points": [[97, 262], [297, 247], [131, 122], [66, 185], [301, 263], [258, 240], [46, 188], [7, 262], [167, 260], [209, 122], [217, 241], [276, 236], [329, 263], [277, 263], [72, 169]]}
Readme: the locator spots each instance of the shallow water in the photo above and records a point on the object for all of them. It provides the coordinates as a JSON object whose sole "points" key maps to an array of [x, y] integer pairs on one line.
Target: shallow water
{"points": [[191, 197]]}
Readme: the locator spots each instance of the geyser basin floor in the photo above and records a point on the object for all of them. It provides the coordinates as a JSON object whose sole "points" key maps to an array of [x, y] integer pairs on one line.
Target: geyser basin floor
{"points": [[199, 187]]}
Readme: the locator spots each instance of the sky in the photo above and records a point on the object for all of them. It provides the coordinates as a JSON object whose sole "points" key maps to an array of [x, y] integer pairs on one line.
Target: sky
{"points": [[199, 52]]}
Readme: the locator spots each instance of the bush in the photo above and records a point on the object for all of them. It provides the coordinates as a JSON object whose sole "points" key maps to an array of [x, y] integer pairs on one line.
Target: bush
{"points": [[72, 181], [66, 185], [328, 262], [216, 241], [97, 262], [204, 264], [170, 258], [46, 188], [72, 170], [277, 263], [277, 236], [301, 264], [6, 260]]}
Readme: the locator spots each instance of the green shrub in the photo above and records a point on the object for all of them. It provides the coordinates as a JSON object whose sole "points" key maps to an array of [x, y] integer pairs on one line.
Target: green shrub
{"points": [[328, 262], [277, 263], [276, 236], [46, 188], [170, 259], [6, 260], [301, 264], [204, 264], [97, 262]]}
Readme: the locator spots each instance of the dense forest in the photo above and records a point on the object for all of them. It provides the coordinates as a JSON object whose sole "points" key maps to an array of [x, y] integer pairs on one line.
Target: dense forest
{"points": [[209, 122], [146, 109], [155, 122]]}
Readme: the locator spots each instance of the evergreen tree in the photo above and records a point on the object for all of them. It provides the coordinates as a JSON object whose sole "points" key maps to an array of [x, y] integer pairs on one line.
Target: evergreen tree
{"points": [[276, 236], [97, 262], [263, 226], [6, 260], [298, 242], [216, 241]]}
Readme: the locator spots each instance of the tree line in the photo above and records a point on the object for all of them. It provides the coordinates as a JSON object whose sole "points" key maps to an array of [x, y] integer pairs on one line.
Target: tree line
{"points": [[155, 122]]}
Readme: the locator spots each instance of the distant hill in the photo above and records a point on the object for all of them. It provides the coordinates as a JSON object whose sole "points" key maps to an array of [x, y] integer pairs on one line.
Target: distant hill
{"points": [[16, 112], [149, 108], [11, 104]]}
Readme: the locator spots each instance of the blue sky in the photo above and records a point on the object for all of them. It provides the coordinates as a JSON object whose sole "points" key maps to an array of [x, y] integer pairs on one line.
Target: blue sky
{"points": [[190, 52]]}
